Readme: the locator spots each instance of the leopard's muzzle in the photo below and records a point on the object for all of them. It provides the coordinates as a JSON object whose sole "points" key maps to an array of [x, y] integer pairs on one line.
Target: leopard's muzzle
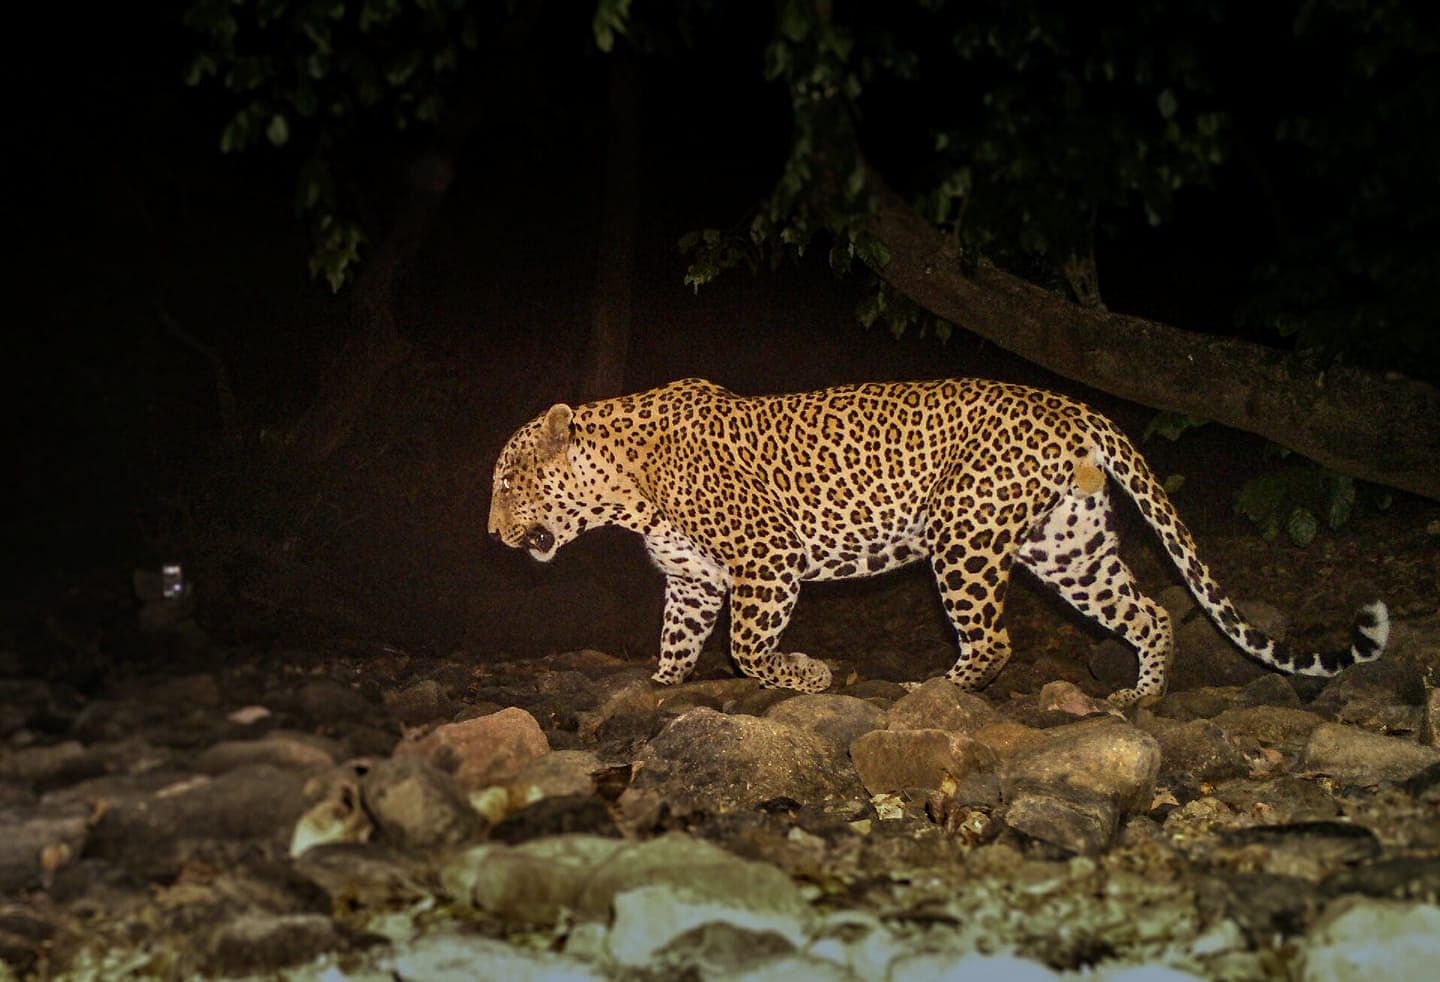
{"points": [[538, 539]]}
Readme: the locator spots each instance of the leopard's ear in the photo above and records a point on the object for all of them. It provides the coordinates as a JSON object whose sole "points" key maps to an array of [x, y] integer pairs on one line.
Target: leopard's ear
{"points": [[555, 431]]}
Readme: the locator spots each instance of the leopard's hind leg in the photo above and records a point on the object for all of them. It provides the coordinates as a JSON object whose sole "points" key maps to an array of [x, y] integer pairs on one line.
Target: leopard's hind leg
{"points": [[1075, 549]]}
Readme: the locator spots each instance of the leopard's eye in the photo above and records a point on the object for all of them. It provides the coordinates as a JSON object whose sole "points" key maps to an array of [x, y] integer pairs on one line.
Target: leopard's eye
{"points": [[505, 484]]}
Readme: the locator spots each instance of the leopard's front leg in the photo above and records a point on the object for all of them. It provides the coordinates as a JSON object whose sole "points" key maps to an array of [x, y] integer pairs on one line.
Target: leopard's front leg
{"points": [[691, 606], [761, 600]]}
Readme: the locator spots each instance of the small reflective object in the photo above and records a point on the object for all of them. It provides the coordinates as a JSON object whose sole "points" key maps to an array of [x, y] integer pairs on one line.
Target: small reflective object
{"points": [[172, 581]]}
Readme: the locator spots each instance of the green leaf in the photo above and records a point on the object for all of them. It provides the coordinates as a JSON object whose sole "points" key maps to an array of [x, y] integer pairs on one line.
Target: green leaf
{"points": [[278, 132], [1167, 103], [1340, 501], [236, 134], [1296, 499], [1301, 526], [202, 67], [611, 18], [796, 20], [855, 183], [1171, 425]]}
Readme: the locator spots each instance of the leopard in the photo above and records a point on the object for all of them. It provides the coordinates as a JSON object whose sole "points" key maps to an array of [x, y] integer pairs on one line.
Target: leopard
{"points": [[746, 498]]}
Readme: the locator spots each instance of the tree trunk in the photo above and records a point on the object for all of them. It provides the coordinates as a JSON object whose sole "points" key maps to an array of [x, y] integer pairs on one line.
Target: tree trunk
{"points": [[609, 345], [1378, 427], [375, 345]]}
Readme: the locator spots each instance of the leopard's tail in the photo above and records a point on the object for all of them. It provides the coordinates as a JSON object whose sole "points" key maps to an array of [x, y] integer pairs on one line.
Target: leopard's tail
{"points": [[1368, 634]]}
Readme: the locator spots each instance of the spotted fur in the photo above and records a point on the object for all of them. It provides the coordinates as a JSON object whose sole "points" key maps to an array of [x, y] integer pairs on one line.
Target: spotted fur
{"points": [[750, 497]]}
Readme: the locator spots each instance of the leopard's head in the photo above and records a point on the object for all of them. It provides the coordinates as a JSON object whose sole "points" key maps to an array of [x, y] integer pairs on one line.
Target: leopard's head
{"points": [[531, 506]]}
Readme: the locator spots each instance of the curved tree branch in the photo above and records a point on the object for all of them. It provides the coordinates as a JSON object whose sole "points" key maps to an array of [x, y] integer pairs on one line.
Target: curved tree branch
{"points": [[1378, 427]]}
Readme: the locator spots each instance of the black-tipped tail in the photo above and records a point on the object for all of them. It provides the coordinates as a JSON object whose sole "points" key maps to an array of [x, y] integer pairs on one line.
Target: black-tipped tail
{"points": [[1368, 637]]}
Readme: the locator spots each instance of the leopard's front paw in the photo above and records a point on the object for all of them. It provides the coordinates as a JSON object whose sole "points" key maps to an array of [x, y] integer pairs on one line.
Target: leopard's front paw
{"points": [[1124, 698]]}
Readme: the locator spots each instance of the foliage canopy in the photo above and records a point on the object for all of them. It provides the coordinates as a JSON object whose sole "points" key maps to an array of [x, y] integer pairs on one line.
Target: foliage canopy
{"points": [[1037, 133]]}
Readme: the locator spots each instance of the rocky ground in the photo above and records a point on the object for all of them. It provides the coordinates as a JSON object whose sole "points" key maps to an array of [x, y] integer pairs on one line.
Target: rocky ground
{"points": [[172, 806]]}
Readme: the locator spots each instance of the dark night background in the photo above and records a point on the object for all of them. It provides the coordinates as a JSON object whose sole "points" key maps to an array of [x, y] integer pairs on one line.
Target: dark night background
{"points": [[124, 216]]}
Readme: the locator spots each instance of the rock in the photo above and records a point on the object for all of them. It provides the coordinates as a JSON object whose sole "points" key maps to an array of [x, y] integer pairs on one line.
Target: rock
{"points": [[710, 762], [482, 751], [1105, 757], [1200, 703], [364, 877], [1178, 601], [116, 719], [248, 715], [759, 701], [712, 693], [654, 891], [891, 760], [23, 937], [1386, 695], [1112, 663], [1379, 683], [1284, 799], [152, 833], [587, 660], [1270, 689], [1198, 750], [637, 698], [1072, 790], [1008, 738], [560, 772], [786, 968], [290, 750], [556, 815], [1356, 756], [532, 883], [48, 765], [1281, 727], [1364, 940], [416, 806], [336, 813], [720, 950], [1309, 850], [459, 956], [880, 691], [1424, 785], [420, 702], [324, 701], [939, 704], [1265, 905], [1069, 698], [925, 967], [576, 688], [185, 692], [21, 700], [1078, 823], [1143, 973], [253, 942], [1406, 878], [838, 719], [34, 844], [662, 888], [1206, 657]]}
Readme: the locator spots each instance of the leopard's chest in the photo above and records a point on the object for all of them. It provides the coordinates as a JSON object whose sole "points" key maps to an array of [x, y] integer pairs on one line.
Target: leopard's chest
{"points": [[677, 555]]}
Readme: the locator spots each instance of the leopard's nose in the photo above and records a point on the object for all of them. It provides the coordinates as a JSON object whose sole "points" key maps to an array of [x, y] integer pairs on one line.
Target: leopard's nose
{"points": [[497, 537]]}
